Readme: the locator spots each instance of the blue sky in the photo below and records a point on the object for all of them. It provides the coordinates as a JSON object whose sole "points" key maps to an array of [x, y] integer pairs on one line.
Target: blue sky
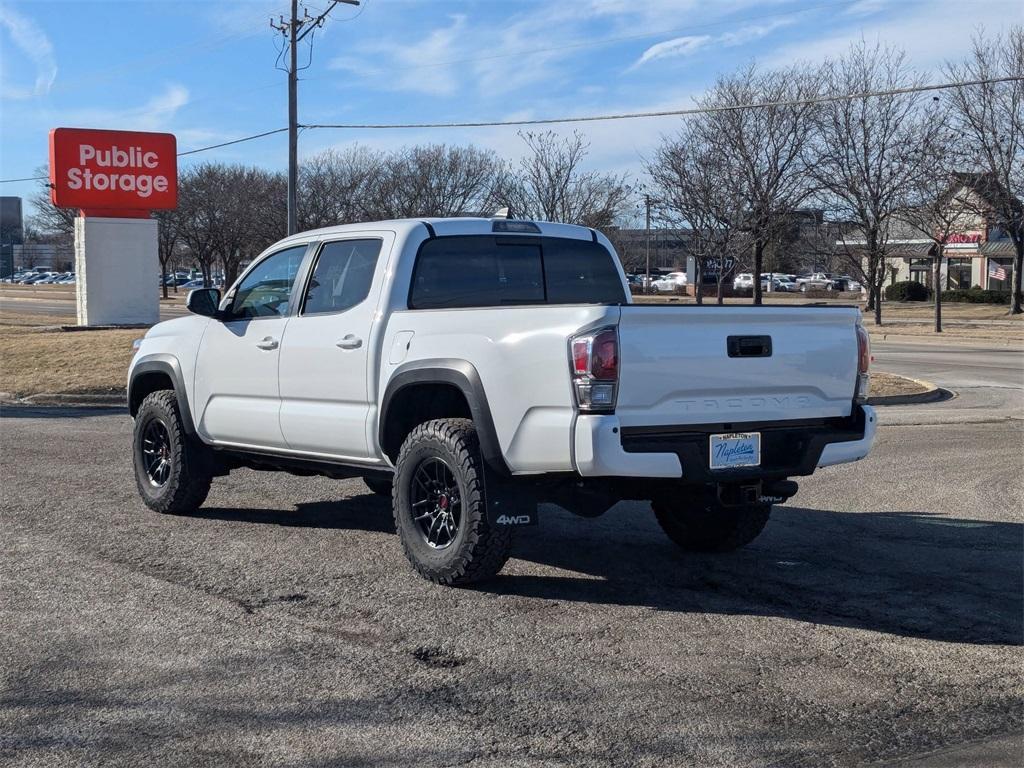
{"points": [[205, 70]]}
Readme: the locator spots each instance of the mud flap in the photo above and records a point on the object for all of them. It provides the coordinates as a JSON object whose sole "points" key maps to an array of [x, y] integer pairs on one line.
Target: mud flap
{"points": [[509, 502]]}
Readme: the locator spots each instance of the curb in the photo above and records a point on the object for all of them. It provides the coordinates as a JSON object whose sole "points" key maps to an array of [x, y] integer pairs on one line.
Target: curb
{"points": [[932, 393], [939, 339], [112, 400]]}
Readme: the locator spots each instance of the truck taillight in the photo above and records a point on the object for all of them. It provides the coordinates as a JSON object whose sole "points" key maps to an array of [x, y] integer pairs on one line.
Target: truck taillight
{"points": [[594, 360], [863, 387]]}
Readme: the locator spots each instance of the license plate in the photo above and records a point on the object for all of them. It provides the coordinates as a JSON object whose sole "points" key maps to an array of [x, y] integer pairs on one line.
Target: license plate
{"points": [[736, 449]]}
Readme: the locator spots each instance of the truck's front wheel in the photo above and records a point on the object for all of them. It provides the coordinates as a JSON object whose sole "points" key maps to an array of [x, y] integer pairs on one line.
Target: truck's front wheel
{"points": [[439, 507], [172, 470], [705, 525]]}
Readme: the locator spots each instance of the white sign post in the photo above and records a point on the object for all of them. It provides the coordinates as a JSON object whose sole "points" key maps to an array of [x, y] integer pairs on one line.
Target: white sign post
{"points": [[116, 267]]}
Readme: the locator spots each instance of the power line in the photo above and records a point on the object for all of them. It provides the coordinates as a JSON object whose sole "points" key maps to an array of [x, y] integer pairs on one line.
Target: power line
{"points": [[676, 112], [620, 116], [233, 141]]}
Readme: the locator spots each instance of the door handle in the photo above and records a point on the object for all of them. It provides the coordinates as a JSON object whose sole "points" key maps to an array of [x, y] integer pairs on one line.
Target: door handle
{"points": [[268, 342], [349, 341]]}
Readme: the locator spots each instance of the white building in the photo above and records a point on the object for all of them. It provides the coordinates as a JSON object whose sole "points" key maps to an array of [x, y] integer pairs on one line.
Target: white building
{"points": [[970, 253]]}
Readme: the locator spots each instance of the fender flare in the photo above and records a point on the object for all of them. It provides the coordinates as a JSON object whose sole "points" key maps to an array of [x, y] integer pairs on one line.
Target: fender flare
{"points": [[462, 375], [169, 365]]}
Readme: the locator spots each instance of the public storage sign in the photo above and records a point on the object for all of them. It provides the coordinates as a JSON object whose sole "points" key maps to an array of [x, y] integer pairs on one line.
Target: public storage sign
{"points": [[113, 173]]}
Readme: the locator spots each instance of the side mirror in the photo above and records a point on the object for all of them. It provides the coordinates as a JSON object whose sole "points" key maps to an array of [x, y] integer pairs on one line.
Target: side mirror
{"points": [[203, 301]]}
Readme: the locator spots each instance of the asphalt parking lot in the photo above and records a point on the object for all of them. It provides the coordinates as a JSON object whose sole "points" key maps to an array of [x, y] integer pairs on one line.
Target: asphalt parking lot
{"points": [[879, 617]]}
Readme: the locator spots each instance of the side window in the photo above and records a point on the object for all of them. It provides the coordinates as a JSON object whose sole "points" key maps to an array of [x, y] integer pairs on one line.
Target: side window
{"points": [[580, 271], [342, 276], [477, 271], [265, 290]]}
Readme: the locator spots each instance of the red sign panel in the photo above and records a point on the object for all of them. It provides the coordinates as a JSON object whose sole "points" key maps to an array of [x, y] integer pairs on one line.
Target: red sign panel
{"points": [[114, 173], [964, 238]]}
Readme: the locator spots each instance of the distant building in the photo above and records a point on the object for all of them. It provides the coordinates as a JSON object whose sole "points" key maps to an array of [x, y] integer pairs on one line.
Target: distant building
{"points": [[668, 248], [49, 255], [974, 255], [11, 233]]}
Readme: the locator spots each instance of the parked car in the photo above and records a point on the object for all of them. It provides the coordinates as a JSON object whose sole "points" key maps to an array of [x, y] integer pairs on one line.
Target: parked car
{"points": [[191, 284], [783, 284], [743, 282], [470, 369], [670, 282], [845, 283], [818, 281], [38, 278]]}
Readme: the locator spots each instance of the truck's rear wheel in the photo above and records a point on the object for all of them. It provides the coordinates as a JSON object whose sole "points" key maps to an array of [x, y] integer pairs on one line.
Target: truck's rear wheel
{"points": [[705, 525], [172, 470], [439, 508]]}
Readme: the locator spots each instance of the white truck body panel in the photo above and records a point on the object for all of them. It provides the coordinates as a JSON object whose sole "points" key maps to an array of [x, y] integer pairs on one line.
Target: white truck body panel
{"points": [[521, 356], [675, 369]]}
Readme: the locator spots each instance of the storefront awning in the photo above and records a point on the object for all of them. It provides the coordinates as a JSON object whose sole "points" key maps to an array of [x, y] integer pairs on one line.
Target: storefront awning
{"points": [[998, 248]]}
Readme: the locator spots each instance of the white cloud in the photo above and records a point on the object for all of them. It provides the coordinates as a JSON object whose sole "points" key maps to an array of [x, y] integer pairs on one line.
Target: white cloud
{"points": [[155, 114], [866, 7], [679, 46], [36, 46], [424, 66], [688, 44], [930, 34]]}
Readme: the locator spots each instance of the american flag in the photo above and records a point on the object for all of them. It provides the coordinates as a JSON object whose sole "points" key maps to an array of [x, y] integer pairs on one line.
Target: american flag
{"points": [[996, 270]]}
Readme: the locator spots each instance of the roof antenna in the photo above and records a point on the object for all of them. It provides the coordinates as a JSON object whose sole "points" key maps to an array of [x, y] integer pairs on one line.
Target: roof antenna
{"points": [[503, 213]]}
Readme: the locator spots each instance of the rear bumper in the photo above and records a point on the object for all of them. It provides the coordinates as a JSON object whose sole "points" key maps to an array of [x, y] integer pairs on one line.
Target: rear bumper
{"points": [[603, 448]]}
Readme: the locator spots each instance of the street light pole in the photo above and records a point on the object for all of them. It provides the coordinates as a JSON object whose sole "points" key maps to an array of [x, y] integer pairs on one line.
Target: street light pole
{"points": [[647, 283]]}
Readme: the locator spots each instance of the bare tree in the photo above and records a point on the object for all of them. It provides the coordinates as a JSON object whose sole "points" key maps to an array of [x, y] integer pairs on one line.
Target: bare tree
{"points": [[435, 180], [940, 202], [48, 217], [868, 152], [990, 118], [168, 239], [550, 184], [201, 214], [336, 186], [693, 190], [764, 150]]}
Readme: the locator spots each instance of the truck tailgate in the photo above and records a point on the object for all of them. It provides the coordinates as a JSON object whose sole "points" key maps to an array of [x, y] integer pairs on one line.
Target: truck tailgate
{"points": [[713, 365]]}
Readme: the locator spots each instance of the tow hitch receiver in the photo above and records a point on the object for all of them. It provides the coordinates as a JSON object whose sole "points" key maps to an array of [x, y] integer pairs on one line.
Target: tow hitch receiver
{"points": [[746, 494], [740, 494]]}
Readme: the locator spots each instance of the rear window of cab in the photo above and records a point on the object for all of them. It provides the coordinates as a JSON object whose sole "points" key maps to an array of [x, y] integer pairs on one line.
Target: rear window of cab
{"points": [[494, 270]]}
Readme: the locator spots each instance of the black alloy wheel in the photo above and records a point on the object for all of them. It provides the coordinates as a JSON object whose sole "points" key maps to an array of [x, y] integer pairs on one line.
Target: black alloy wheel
{"points": [[436, 502], [156, 452]]}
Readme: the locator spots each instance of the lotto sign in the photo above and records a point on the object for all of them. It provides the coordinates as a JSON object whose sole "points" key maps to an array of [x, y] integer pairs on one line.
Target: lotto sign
{"points": [[113, 173]]}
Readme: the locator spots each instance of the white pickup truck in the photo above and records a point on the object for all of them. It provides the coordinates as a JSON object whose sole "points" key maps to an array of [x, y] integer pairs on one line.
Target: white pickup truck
{"points": [[473, 368]]}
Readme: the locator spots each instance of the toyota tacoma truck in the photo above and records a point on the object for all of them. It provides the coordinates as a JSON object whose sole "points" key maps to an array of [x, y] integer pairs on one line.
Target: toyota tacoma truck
{"points": [[473, 369]]}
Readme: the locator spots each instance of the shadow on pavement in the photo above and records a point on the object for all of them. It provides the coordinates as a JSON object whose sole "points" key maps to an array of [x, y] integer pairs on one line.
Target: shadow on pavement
{"points": [[903, 573], [363, 513], [14, 411]]}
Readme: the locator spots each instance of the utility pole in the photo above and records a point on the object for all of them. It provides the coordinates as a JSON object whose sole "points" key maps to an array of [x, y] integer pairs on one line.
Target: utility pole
{"points": [[293, 120], [296, 30]]}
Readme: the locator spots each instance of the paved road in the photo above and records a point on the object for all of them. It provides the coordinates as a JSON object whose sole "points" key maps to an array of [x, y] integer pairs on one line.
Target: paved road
{"points": [[64, 306], [989, 381], [878, 617], [955, 366]]}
